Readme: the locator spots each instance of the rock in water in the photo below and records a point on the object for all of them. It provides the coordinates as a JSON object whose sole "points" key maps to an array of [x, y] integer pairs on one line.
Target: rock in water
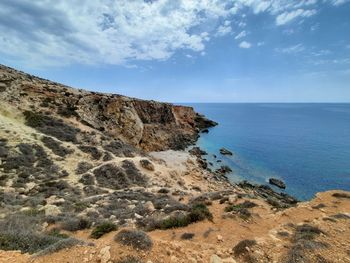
{"points": [[277, 182], [224, 151]]}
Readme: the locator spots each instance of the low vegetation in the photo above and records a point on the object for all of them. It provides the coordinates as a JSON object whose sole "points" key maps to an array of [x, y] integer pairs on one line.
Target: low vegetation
{"points": [[51, 126], [303, 242], [75, 224], [22, 232], [241, 209], [187, 236], [341, 195], [198, 212], [102, 229], [243, 247], [129, 259], [134, 238]]}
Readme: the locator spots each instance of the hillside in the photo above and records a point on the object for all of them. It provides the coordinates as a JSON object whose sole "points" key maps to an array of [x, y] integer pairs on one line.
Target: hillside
{"points": [[75, 162]]}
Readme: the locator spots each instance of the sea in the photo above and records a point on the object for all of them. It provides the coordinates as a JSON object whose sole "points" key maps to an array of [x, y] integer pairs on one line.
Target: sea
{"points": [[305, 145]]}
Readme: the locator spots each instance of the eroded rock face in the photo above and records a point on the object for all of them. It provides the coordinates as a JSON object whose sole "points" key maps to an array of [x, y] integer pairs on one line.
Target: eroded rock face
{"points": [[149, 125]]}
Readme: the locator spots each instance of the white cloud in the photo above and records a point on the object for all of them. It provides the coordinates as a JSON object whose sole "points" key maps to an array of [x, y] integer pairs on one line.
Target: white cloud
{"points": [[245, 44], [288, 16], [292, 49], [123, 31], [339, 2], [223, 30], [241, 34]]}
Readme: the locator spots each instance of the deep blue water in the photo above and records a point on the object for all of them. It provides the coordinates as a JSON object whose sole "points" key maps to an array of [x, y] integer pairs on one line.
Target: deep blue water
{"points": [[306, 145]]}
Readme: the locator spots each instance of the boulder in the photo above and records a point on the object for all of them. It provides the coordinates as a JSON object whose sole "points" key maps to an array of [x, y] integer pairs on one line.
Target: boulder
{"points": [[196, 151], [277, 182], [215, 259], [147, 164], [149, 206], [224, 151], [105, 254], [51, 210]]}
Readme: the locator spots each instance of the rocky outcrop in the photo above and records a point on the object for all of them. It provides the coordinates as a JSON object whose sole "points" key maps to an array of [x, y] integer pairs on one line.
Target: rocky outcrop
{"points": [[148, 125], [277, 182]]}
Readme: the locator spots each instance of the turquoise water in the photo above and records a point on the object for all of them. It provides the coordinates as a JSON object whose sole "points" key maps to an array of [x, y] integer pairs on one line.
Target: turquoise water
{"points": [[306, 145]]}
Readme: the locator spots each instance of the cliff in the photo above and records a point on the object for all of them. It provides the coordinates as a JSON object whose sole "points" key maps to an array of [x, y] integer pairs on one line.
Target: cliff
{"points": [[149, 125]]}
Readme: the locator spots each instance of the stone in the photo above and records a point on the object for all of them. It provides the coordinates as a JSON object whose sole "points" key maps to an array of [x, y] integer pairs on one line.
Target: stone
{"points": [[173, 259], [215, 259], [224, 151], [232, 199], [220, 238], [51, 210], [146, 164], [149, 206], [277, 182], [53, 200], [105, 254]]}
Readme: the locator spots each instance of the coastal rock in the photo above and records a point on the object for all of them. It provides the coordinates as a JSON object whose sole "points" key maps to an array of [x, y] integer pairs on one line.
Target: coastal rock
{"points": [[196, 151], [277, 200], [223, 170], [277, 182], [147, 164], [203, 123], [224, 151]]}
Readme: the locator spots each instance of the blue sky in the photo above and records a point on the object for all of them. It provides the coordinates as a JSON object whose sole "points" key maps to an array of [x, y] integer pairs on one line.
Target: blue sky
{"points": [[185, 51]]}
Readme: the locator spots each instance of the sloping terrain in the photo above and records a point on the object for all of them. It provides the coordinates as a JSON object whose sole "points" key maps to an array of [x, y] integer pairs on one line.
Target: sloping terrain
{"points": [[80, 182]]}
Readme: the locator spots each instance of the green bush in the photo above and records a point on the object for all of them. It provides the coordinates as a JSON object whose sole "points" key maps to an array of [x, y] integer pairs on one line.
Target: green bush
{"points": [[102, 229], [33, 119], [198, 212], [134, 238], [241, 209], [75, 224], [175, 222], [241, 248], [236, 208]]}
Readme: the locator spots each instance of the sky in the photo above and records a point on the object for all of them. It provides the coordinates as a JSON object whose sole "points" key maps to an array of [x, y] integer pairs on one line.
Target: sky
{"points": [[185, 50]]}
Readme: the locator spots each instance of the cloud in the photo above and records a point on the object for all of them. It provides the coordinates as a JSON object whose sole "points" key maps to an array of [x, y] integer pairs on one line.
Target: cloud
{"points": [[241, 35], [339, 2], [287, 17], [223, 30], [49, 32], [245, 44], [292, 49]]}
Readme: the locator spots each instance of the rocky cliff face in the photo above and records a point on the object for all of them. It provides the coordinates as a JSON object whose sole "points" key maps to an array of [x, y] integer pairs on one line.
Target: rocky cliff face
{"points": [[149, 125]]}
